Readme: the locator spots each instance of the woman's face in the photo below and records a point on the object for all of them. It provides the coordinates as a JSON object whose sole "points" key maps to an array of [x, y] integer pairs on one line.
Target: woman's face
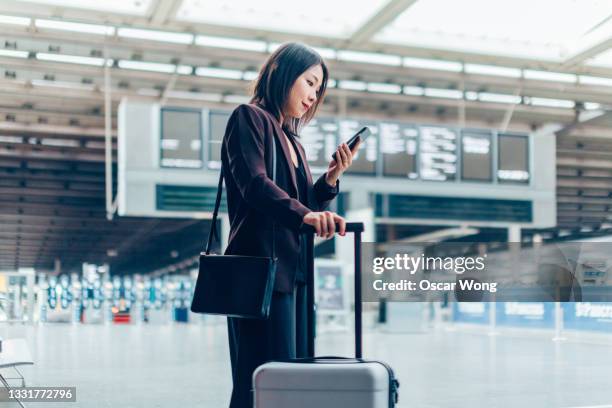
{"points": [[304, 92]]}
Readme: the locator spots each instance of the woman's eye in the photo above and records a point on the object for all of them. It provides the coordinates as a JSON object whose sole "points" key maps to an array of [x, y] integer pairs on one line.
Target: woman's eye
{"points": [[310, 83]]}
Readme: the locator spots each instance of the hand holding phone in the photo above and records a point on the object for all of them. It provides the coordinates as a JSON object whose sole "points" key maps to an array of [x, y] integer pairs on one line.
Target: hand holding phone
{"points": [[363, 133]]}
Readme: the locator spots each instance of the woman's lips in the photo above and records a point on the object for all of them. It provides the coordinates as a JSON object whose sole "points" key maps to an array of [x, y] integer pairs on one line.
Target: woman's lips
{"points": [[305, 106]]}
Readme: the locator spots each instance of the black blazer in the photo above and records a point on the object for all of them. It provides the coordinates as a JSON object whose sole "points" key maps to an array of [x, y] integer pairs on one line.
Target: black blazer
{"points": [[254, 201]]}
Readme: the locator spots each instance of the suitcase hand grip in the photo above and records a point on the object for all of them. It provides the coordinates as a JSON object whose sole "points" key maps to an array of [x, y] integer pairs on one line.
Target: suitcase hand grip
{"points": [[350, 227]]}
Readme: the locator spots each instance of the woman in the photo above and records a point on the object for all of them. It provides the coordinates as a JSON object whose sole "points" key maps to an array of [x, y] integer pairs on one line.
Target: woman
{"points": [[287, 93]]}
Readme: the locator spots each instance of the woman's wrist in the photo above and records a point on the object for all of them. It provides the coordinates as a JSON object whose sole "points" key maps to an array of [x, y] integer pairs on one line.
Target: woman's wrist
{"points": [[331, 181]]}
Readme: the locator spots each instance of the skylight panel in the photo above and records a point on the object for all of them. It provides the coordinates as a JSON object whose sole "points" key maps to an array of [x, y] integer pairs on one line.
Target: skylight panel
{"points": [[338, 18], [542, 29], [601, 60]]}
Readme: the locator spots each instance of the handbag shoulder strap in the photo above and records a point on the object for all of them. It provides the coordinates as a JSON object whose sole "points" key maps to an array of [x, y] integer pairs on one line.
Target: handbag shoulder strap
{"points": [[213, 225]]}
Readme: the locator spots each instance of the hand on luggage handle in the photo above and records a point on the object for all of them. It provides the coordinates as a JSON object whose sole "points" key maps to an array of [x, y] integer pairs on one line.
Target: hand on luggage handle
{"points": [[350, 227]]}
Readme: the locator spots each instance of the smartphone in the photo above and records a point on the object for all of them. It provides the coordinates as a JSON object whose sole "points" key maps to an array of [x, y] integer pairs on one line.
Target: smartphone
{"points": [[363, 133]]}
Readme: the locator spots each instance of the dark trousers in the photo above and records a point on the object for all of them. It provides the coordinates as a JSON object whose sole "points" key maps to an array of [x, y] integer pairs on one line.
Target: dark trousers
{"points": [[253, 342]]}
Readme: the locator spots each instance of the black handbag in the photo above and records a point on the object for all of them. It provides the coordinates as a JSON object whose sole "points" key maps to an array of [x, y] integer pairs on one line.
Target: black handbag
{"points": [[235, 285]]}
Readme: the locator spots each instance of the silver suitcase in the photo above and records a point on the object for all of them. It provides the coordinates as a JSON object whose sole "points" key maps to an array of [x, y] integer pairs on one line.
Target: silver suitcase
{"points": [[323, 382]]}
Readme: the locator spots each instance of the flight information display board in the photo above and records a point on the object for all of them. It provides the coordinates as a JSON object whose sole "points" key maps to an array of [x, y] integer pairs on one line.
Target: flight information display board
{"points": [[181, 138], [364, 162], [476, 156], [513, 158], [217, 122], [398, 146], [168, 160], [319, 140], [438, 153], [405, 150]]}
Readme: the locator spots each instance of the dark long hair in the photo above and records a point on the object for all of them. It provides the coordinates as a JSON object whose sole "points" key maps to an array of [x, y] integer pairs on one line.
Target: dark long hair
{"points": [[277, 76]]}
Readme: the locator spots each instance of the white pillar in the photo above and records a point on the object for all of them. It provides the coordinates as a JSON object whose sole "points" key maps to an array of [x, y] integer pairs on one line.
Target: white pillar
{"points": [[30, 285], [493, 319], [514, 238], [514, 233], [558, 322]]}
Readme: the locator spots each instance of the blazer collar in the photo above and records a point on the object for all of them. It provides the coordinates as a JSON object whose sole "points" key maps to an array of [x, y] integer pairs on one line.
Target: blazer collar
{"points": [[302, 155], [287, 152], [280, 134]]}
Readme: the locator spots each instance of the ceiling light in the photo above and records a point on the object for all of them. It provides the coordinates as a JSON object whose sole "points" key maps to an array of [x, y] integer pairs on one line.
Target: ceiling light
{"points": [[438, 65], [549, 76], [353, 85], [147, 66], [492, 70], [591, 105], [152, 35], [219, 73], [60, 142], [250, 75], [22, 21], [443, 93], [273, 46], [71, 59], [200, 96], [553, 103], [148, 92], [11, 139], [184, 69], [592, 80], [471, 95], [238, 99], [498, 98], [62, 84], [384, 88], [413, 90], [369, 58], [76, 27], [232, 43], [327, 53], [14, 53]]}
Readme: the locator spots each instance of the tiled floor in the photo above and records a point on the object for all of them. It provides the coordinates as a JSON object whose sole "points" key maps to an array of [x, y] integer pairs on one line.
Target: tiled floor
{"points": [[187, 366]]}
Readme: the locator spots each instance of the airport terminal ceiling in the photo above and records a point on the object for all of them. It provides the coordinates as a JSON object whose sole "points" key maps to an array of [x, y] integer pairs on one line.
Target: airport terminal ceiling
{"points": [[63, 63]]}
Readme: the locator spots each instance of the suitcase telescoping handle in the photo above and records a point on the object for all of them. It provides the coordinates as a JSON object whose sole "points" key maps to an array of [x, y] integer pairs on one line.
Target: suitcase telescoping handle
{"points": [[356, 228]]}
